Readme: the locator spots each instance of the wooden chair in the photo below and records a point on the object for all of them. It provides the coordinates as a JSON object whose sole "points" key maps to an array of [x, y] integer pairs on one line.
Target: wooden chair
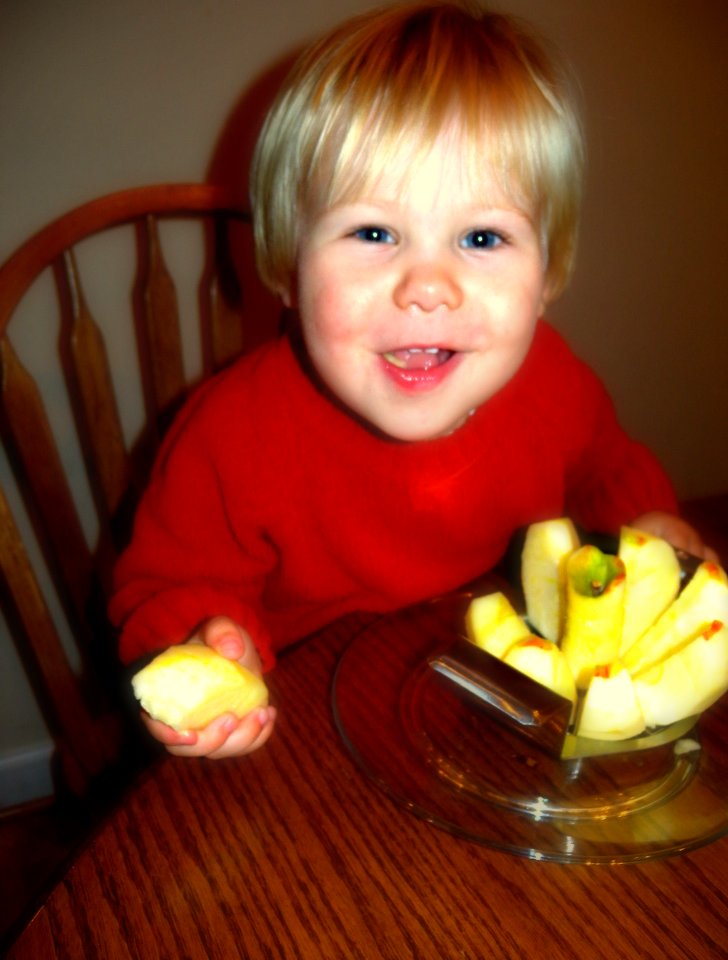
{"points": [[84, 708]]}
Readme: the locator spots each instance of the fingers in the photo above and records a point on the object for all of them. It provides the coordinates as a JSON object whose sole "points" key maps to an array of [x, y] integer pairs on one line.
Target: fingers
{"points": [[226, 736], [249, 734], [695, 546], [677, 532], [229, 639], [168, 735], [225, 637]]}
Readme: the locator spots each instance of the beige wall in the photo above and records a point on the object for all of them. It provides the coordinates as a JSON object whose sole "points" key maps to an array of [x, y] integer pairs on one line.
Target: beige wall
{"points": [[96, 96]]}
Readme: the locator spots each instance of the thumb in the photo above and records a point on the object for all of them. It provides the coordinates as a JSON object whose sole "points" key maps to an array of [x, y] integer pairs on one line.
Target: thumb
{"points": [[225, 637]]}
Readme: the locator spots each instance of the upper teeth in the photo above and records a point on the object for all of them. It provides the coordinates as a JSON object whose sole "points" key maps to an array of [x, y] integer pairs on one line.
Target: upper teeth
{"points": [[400, 358]]}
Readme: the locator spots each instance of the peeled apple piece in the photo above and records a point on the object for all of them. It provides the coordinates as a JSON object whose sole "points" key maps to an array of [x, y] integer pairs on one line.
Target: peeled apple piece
{"points": [[652, 581], [187, 686], [543, 578], [493, 625], [543, 662], [687, 682], [703, 600], [595, 584], [610, 709]]}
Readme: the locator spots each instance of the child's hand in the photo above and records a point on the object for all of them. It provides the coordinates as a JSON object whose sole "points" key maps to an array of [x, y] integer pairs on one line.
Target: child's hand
{"points": [[677, 532], [226, 736]]}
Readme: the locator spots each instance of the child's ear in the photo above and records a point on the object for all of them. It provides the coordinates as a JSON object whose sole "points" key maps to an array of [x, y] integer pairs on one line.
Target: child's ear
{"points": [[287, 292], [287, 295], [547, 297]]}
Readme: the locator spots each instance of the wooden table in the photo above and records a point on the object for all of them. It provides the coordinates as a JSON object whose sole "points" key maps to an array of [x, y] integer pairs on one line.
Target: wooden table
{"points": [[294, 853]]}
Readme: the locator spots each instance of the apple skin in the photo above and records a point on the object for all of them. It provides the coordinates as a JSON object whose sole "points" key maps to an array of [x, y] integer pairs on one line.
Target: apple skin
{"points": [[652, 581], [703, 600], [610, 709], [543, 578], [594, 611], [544, 662], [688, 681], [493, 625]]}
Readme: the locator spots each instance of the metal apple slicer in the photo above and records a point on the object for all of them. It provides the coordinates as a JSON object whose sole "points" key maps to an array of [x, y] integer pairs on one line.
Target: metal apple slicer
{"points": [[532, 710]]}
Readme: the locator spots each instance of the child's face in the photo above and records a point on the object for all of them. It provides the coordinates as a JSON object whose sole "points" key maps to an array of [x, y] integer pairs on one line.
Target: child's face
{"points": [[418, 300]]}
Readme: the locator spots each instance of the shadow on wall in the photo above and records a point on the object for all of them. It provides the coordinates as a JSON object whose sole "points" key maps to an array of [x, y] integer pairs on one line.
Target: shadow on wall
{"points": [[230, 167]]}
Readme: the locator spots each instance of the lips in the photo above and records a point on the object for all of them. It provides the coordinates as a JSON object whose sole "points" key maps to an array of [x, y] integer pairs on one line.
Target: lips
{"points": [[418, 358], [419, 369]]}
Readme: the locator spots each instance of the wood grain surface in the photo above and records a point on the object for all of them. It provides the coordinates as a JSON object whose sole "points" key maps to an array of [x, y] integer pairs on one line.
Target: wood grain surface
{"points": [[294, 853]]}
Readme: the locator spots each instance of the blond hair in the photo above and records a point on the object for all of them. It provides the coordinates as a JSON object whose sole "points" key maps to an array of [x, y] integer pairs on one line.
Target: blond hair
{"points": [[393, 80]]}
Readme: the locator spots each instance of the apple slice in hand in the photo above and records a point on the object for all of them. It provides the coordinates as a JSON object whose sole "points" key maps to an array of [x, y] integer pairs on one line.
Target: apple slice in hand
{"points": [[652, 581], [493, 625], [595, 584], [687, 682], [543, 578], [703, 600], [189, 685], [610, 709]]}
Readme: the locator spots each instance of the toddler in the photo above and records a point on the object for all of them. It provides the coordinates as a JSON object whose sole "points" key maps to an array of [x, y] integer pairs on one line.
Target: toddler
{"points": [[415, 193]]}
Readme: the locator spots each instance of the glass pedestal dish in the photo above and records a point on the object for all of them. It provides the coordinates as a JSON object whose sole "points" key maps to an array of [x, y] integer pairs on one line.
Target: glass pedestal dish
{"points": [[441, 757]]}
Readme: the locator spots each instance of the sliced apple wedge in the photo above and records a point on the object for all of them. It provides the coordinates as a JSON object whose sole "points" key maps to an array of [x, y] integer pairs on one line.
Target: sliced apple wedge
{"points": [[595, 583], [703, 600], [543, 662], [652, 581], [687, 682], [615, 635], [543, 578], [493, 625], [610, 709]]}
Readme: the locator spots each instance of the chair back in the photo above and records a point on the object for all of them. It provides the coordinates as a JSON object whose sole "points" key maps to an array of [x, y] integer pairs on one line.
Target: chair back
{"points": [[69, 487]]}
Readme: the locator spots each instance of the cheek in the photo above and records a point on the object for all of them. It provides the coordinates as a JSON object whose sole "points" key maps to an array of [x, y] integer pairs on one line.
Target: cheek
{"points": [[325, 320], [331, 312], [528, 302], [516, 315], [326, 331]]}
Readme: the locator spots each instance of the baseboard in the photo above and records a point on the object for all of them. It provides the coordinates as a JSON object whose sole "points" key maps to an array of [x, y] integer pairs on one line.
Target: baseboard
{"points": [[25, 774]]}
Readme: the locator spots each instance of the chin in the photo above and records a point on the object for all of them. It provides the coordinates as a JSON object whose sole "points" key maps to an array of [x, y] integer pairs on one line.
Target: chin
{"points": [[416, 433]]}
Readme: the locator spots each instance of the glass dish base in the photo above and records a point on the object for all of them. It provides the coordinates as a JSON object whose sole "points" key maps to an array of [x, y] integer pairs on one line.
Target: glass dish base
{"points": [[458, 768]]}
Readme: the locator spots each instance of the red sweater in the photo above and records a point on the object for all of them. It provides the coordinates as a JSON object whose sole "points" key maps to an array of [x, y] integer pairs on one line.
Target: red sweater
{"points": [[271, 506]]}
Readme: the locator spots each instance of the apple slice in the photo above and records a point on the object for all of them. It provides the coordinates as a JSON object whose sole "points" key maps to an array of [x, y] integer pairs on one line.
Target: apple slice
{"points": [[687, 682], [493, 625], [610, 709], [653, 581], [703, 600], [543, 661], [187, 686], [595, 584], [545, 550]]}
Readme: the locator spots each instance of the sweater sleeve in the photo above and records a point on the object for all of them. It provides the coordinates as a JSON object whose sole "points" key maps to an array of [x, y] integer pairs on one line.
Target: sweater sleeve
{"points": [[188, 559]]}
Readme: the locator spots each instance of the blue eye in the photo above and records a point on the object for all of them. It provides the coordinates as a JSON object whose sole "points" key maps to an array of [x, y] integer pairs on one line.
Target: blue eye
{"points": [[482, 240], [374, 235]]}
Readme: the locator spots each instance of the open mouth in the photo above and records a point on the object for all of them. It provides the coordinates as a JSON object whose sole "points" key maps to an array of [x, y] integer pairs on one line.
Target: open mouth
{"points": [[418, 358]]}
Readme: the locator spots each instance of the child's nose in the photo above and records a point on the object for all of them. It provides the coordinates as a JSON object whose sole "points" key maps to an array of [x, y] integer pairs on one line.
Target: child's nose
{"points": [[428, 285]]}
